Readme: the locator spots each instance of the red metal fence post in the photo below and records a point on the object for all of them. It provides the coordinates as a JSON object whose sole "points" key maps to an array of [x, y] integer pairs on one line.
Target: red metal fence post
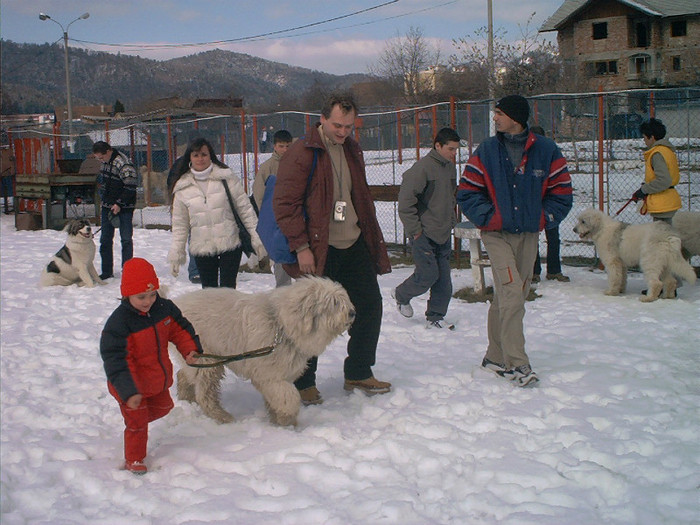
{"points": [[601, 133]]}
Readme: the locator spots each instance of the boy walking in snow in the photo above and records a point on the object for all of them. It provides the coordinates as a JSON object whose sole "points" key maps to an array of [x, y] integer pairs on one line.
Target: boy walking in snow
{"points": [[134, 349], [427, 211]]}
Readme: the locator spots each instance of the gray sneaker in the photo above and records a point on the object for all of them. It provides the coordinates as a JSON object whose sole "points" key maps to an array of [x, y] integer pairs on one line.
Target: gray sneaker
{"points": [[497, 368], [404, 309], [524, 376]]}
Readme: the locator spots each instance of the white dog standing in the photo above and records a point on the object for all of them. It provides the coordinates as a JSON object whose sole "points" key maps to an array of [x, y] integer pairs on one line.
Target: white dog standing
{"points": [[300, 319], [654, 246], [73, 263]]}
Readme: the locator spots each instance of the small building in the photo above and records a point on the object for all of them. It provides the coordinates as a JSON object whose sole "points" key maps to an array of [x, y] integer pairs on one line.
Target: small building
{"points": [[621, 44]]}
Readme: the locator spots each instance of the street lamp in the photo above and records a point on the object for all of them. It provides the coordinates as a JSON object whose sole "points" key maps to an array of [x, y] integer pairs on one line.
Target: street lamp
{"points": [[44, 16]]}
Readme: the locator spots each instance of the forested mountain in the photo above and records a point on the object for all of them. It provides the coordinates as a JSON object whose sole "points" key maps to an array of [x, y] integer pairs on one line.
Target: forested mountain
{"points": [[33, 79]]}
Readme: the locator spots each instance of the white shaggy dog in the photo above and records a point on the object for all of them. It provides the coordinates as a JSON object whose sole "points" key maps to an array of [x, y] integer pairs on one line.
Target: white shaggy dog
{"points": [[301, 319], [654, 246], [687, 224], [73, 262]]}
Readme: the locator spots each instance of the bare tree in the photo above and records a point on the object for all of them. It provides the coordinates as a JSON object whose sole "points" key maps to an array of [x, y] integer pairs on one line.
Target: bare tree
{"points": [[403, 60], [527, 66]]}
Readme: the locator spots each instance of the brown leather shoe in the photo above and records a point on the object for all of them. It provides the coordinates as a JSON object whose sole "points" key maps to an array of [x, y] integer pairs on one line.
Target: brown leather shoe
{"points": [[310, 396], [369, 386], [558, 277]]}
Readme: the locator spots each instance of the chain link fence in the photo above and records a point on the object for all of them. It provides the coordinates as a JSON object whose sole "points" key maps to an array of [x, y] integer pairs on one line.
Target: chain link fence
{"points": [[597, 132]]}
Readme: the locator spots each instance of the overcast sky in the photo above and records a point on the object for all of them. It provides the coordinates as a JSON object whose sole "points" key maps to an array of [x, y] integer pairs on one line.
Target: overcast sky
{"points": [[335, 36]]}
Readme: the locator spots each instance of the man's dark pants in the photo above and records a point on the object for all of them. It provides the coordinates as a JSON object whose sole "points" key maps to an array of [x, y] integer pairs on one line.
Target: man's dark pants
{"points": [[126, 233], [354, 270]]}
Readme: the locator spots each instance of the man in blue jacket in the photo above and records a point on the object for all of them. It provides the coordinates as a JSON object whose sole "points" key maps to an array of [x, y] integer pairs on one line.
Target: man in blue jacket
{"points": [[514, 185]]}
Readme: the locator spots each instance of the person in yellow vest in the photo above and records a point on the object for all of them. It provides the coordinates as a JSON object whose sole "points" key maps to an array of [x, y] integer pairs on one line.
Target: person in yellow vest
{"points": [[661, 173]]}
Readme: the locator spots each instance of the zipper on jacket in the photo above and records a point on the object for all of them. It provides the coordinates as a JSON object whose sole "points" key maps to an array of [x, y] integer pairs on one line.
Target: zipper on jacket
{"points": [[165, 371]]}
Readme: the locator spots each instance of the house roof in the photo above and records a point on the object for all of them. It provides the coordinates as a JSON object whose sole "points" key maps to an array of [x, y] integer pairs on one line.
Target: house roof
{"points": [[662, 8]]}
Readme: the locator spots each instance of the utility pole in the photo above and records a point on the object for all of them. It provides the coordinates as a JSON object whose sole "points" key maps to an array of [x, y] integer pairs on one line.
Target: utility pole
{"points": [[44, 16], [492, 72]]}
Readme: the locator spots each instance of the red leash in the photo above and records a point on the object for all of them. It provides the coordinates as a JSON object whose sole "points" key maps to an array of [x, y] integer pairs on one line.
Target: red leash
{"points": [[620, 210]]}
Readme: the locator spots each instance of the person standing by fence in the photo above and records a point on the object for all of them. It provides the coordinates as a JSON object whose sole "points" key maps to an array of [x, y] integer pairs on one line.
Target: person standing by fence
{"points": [[117, 186], [553, 245], [661, 174], [515, 184], [282, 139]]}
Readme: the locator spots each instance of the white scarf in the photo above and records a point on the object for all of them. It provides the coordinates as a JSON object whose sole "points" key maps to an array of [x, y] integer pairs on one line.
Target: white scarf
{"points": [[202, 175]]}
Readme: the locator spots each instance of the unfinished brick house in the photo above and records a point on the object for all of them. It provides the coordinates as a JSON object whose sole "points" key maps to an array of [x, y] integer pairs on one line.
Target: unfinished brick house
{"points": [[618, 44]]}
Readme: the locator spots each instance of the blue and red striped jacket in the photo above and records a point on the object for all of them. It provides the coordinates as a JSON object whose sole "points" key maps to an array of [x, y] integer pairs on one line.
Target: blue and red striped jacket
{"points": [[134, 347], [538, 194]]}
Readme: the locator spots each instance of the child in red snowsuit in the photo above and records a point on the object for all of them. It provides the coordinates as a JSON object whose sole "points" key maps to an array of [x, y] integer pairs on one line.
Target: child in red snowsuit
{"points": [[134, 348]]}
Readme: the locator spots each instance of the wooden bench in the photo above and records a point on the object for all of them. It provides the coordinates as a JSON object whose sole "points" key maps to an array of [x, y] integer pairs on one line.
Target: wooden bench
{"points": [[466, 230]]}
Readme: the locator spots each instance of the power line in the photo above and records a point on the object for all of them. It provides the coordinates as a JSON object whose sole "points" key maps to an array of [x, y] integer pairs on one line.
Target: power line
{"points": [[245, 38]]}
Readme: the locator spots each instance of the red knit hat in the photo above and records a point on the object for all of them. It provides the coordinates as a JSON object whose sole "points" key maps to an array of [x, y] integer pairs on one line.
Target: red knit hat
{"points": [[138, 276]]}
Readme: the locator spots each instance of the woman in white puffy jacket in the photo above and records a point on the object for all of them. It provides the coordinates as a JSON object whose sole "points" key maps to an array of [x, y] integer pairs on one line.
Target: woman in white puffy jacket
{"points": [[202, 213]]}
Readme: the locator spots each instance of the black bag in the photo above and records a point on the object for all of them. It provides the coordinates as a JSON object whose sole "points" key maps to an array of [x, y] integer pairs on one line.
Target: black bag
{"points": [[244, 235]]}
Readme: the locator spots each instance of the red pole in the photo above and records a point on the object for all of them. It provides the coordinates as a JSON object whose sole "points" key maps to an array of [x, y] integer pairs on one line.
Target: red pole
{"points": [[416, 123], [652, 105], [170, 142], [399, 136], [601, 132], [554, 122], [453, 113], [133, 148], [149, 151], [470, 141], [434, 120], [244, 151], [107, 131], [255, 142], [307, 120]]}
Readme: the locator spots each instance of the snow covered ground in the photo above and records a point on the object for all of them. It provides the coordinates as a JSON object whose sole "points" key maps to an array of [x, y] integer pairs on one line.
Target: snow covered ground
{"points": [[610, 435]]}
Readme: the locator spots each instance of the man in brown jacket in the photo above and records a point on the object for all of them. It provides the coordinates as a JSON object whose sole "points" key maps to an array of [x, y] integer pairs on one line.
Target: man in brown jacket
{"points": [[331, 224]]}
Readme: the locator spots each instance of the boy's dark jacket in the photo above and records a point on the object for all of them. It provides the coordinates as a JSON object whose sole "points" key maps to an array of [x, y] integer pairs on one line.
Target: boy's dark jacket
{"points": [[134, 347]]}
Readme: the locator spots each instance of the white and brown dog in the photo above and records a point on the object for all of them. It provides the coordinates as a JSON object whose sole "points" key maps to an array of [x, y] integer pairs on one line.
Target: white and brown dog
{"points": [[73, 264]]}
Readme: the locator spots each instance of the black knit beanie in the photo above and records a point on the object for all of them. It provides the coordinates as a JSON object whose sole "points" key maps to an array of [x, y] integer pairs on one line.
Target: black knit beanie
{"points": [[516, 107]]}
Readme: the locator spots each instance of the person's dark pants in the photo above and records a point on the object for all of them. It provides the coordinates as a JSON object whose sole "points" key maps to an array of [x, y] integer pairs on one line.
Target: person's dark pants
{"points": [[354, 270], [432, 261], [220, 270], [553, 259], [126, 233]]}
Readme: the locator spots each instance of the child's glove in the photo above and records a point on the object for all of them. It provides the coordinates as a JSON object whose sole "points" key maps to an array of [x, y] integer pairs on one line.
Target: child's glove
{"points": [[638, 195]]}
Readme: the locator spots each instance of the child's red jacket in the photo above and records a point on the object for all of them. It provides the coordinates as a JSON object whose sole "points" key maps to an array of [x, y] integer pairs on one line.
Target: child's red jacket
{"points": [[134, 347]]}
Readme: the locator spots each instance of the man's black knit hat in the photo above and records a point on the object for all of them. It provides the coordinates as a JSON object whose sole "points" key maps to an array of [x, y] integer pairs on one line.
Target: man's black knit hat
{"points": [[516, 107]]}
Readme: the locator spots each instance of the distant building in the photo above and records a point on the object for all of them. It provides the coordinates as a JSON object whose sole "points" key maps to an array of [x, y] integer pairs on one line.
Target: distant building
{"points": [[619, 44]]}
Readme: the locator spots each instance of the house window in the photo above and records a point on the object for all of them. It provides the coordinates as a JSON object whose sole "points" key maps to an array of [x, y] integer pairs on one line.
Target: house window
{"points": [[678, 28], [606, 68], [642, 34], [600, 30], [640, 64], [676, 61]]}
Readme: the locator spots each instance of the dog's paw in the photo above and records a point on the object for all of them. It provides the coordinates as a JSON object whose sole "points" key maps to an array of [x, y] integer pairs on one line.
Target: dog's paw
{"points": [[647, 298], [612, 292]]}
